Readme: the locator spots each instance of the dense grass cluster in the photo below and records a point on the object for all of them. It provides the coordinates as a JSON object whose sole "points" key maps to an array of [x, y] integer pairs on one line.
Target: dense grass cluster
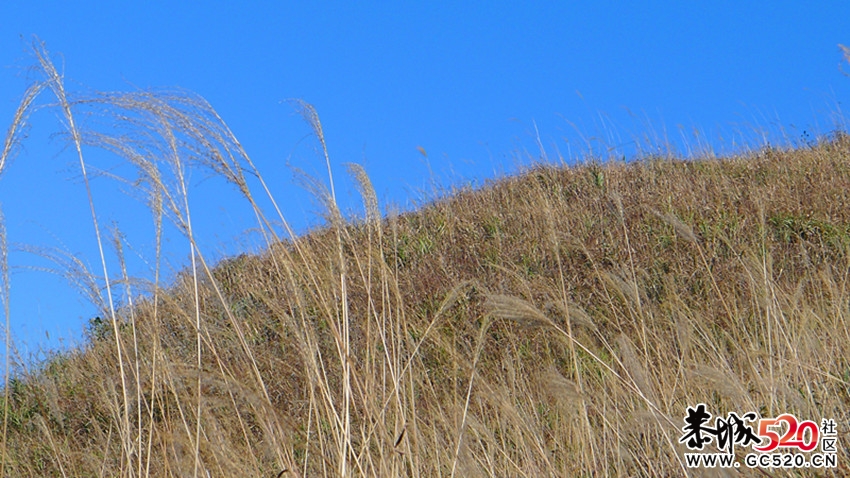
{"points": [[556, 323]]}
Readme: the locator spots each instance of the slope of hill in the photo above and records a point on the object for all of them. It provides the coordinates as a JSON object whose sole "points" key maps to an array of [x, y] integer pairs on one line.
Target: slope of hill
{"points": [[557, 323]]}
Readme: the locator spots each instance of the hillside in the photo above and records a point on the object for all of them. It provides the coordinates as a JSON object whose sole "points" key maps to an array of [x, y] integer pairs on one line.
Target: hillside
{"points": [[556, 323]]}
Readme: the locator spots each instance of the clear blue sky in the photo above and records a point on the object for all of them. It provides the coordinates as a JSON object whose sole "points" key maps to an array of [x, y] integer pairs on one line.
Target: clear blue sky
{"points": [[466, 81]]}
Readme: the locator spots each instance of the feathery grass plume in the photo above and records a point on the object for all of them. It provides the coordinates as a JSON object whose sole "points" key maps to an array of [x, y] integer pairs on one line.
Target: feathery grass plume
{"points": [[635, 369], [14, 134], [515, 309], [309, 113], [724, 383], [684, 332], [565, 391], [680, 227], [71, 267], [578, 316], [364, 184], [627, 290]]}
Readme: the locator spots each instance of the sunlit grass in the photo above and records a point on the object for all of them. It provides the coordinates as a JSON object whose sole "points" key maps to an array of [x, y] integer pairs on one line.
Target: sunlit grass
{"points": [[555, 323]]}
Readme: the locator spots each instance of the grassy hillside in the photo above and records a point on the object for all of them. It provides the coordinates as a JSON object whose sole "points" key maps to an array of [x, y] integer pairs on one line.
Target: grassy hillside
{"points": [[553, 324], [557, 323]]}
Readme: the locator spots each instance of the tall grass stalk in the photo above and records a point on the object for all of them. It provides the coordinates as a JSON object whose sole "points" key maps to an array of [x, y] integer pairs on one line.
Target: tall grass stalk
{"points": [[5, 287], [56, 84]]}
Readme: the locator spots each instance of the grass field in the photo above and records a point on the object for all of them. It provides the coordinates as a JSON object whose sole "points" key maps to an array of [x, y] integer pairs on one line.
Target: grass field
{"points": [[555, 323]]}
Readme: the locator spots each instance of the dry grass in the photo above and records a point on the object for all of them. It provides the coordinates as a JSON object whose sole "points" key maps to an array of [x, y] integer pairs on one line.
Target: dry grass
{"points": [[556, 323]]}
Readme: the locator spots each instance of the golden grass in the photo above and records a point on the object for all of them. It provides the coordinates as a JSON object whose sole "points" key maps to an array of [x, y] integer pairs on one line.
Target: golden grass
{"points": [[556, 323]]}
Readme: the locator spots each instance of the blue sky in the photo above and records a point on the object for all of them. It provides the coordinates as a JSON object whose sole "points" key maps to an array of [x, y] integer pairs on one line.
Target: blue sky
{"points": [[472, 83]]}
